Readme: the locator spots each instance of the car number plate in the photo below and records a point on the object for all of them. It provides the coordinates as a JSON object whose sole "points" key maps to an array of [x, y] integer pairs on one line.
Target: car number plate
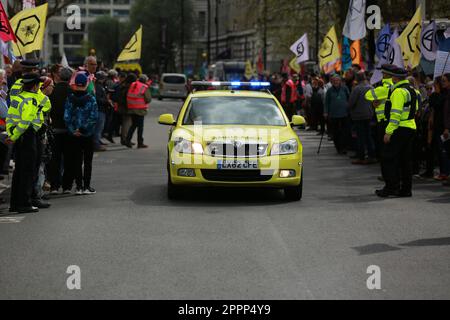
{"points": [[237, 165]]}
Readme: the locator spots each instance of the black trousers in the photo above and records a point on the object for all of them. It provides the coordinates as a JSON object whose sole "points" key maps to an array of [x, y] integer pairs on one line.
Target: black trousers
{"points": [[340, 128], [137, 123], [381, 132], [79, 165], [24, 177], [397, 161], [58, 162]]}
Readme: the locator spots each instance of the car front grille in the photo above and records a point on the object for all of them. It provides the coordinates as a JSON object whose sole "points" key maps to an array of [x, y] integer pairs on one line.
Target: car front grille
{"points": [[237, 150], [237, 175]]}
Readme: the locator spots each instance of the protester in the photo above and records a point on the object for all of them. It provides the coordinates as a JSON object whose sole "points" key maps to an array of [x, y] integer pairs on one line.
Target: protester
{"points": [[288, 96], [361, 114], [123, 106], [336, 109], [446, 133], [317, 106], [104, 107], [81, 115], [60, 142]]}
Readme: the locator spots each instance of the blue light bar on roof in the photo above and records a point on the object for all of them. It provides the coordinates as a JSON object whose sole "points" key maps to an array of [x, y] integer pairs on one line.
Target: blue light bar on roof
{"points": [[254, 84]]}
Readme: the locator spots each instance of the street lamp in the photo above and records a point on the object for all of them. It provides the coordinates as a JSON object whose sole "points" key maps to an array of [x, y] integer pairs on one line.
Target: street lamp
{"points": [[209, 32], [182, 35], [217, 27]]}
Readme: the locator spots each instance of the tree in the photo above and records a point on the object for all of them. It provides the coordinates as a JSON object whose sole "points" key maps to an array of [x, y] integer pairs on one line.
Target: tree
{"points": [[162, 23], [15, 6], [105, 35]]}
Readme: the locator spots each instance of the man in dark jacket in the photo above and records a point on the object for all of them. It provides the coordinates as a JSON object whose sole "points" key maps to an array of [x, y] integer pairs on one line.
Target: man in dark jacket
{"points": [[361, 113], [103, 108], [59, 148], [446, 134]]}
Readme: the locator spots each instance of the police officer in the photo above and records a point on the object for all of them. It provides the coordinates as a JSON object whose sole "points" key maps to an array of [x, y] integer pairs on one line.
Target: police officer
{"points": [[379, 97], [23, 124], [27, 67], [400, 111]]}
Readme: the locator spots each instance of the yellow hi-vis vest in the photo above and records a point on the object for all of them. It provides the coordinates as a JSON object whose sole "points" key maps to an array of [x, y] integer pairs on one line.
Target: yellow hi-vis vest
{"points": [[25, 111], [16, 88], [402, 107], [380, 94]]}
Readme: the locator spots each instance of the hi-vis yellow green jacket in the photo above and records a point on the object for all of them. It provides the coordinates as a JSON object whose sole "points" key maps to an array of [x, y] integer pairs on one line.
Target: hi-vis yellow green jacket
{"points": [[26, 109], [380, 94], [402, 111]]}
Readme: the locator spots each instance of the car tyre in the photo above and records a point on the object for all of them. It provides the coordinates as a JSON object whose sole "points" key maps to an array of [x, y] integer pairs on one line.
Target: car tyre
{"points": [[295, 193], [173, 191]]}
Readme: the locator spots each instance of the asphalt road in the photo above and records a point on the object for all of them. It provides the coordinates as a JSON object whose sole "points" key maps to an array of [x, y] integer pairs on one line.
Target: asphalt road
{"points": [[130, 242]]}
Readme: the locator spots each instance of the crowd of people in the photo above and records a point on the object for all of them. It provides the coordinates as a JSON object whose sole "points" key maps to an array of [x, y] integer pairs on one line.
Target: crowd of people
{"points": [[361, 121], [53, 121]]}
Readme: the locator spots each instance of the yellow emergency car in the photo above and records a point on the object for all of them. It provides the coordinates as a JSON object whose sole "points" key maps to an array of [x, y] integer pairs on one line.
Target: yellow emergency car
{"points": [[234, 138]]}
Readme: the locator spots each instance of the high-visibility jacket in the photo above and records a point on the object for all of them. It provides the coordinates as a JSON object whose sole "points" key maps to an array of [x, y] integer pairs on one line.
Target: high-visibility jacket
{"points": [[16, 88], [380, 94], [26, 110], [401, 107], [136, 96], [293, 96]]}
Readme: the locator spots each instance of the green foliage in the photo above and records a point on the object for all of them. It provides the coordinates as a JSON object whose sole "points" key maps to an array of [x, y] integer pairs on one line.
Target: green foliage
{"points": [[153, 15], [104, 35]]}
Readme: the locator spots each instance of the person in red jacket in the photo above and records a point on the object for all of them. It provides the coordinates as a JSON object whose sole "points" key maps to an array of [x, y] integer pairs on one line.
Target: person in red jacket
{"points": [[138, 98], [288, 96]]}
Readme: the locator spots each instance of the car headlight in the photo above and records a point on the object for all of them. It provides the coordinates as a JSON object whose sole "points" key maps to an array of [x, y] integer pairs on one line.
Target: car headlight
{"points": [[185, 146], [288, 147]]}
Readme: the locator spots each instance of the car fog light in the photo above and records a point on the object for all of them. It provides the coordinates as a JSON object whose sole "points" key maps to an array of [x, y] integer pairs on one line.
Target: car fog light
{"points": [[287, 173], [186, 173]]}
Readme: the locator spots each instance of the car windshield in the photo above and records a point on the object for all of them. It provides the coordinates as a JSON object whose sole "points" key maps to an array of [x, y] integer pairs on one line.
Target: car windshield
{"points": [[234, 111], [174, 80]]}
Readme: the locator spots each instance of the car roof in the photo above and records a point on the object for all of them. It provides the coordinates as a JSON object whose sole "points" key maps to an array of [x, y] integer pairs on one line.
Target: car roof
{"points": [[232, 93], [173, 75]]}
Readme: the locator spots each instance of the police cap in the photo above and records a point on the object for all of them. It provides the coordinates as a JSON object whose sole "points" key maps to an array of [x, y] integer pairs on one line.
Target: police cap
{"points": [[394, 71], [31, 78], [30, 64]]}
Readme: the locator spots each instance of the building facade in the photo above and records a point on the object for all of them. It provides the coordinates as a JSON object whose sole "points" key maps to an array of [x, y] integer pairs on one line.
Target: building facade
{"points": [[60, 40]]}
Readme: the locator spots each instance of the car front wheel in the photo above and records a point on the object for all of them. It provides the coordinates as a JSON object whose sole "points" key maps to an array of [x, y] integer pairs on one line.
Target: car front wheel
{"points": [[295, 193]]}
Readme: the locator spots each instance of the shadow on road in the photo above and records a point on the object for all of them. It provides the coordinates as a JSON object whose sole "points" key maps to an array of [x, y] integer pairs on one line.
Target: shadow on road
{"points": [[156, 195], [382, 247]]}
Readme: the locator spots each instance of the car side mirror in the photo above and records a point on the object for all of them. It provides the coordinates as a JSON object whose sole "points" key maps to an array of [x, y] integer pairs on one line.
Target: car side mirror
{"points": [[167, 120], [298, 121]]}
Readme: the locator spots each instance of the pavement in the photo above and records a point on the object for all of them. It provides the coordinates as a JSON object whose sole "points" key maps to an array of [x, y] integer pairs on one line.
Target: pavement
{"points": [[131, 242]]}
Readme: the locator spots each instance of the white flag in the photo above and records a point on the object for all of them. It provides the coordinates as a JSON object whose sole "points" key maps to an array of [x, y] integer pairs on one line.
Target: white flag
{"points": [[355, 25], [301, 49], [393, 55], [28, 4], [64, 61], [428, 42]]}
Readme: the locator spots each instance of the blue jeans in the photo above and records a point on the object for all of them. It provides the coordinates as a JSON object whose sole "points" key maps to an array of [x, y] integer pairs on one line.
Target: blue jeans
{"points": [[364, 139], [99, 128]]}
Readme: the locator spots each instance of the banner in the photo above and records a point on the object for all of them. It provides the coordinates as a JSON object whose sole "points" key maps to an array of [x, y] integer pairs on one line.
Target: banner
{"points": [[29, 27], [442, 65], [133, 49], [409, 40], [355, 53], [329, 51], [428, 42], [392, 56], [28, 4], [355, 25], [384, 38], [6, 31], [294, 65], [301, 49], [346, 55]]}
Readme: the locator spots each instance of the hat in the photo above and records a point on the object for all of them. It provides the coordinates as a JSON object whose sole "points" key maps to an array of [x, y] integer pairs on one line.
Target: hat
{"points": [[394, 71], [31, 78], [31, 64], [81, 80]]}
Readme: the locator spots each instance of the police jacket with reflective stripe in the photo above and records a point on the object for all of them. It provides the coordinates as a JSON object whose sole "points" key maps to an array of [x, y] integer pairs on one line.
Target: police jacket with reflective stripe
{"points": [[402, 107], [25, 111]]}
